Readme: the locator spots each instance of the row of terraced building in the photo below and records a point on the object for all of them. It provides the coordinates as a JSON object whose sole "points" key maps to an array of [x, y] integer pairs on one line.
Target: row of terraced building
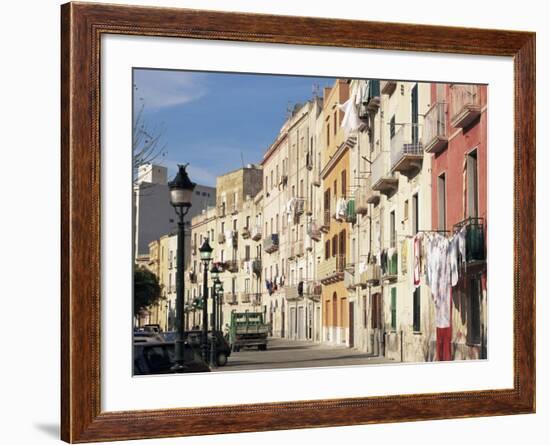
{"points": [[335, 235]]}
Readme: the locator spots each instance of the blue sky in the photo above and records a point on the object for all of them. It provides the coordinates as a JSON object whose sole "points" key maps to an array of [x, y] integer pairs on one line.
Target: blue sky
{"points": [[212, 119]]}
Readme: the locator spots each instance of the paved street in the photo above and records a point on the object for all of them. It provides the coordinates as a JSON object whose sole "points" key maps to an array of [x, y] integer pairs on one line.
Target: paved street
{"points": [[283, 353]]}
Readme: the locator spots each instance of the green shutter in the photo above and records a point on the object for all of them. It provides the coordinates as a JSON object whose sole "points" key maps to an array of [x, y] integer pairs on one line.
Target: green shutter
{"points": [[394, 308]]}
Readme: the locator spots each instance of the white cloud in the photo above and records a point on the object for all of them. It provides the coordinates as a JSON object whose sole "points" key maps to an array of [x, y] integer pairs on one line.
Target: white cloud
{"points": [[161, 88]]}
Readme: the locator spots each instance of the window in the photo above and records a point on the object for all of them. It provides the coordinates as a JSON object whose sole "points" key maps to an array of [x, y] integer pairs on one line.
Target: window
{"points": [[334, 245], [392, 126], [233, 285], [223, 227], [416, 310], [406, 210], [271, 175], [247, 285], [248, 222], [327, 249], [235, 224], [277, 174], [474, 311], [472, 185], [328, 133], [247, 253], [335, 121], [393, 308], [222, 259], [441, 202]]}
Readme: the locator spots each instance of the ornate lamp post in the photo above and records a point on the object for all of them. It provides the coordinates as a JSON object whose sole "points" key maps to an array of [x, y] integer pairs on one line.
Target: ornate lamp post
{"points": [[181, 193], [206, 256], [215, 284], [220, 302]]}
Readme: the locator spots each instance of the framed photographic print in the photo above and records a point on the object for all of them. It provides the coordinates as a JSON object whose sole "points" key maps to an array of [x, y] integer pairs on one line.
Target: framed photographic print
{"points": [[278, 222]]}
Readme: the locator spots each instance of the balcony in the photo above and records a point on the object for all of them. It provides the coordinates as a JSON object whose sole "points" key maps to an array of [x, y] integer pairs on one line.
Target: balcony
{"points": [[221, 211], [435, 137], [465, 104], [349, 278], [406, 150], [475, 239], [257, 267], [271, 244], [257, 233], [314, 290], [292, 293], [388, 86], [245, 233], [389, 273], [192, 277], [221, 238], [382, 179], [232, 266], [313, 231], [245, 297], [371, 275], [230, 299], [332, 270], [373, 197], [325, 227]]}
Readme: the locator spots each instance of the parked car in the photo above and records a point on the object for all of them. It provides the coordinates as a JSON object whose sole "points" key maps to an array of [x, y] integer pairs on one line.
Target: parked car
{"points": [[147, 337], [169, 336], [159, 358], [223, 348]]}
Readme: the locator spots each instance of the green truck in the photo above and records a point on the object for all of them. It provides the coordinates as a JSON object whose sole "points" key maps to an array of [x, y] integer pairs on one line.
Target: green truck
{"points": [[248, 329]]}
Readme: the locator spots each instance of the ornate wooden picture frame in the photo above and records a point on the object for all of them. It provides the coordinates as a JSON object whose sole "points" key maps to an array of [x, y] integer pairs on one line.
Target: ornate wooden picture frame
{"points": [[82, 27]]}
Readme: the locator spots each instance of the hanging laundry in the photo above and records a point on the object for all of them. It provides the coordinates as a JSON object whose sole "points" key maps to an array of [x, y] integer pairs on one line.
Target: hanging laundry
{"points": [[350, 121], [453, 260]]}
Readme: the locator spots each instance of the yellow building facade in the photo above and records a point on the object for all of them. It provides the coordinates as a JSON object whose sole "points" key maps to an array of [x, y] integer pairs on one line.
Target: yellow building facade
{"points": [[335, 176]]}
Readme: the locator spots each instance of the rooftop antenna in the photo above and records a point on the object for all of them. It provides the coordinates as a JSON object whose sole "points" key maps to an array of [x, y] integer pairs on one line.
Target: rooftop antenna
{"points": [[315, 90], [288, 110]]}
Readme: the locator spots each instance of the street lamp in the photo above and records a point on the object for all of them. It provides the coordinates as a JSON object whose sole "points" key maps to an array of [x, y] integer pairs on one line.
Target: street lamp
{"points": [[214, 272], [181, 194], [206, 255], [220, 300]]}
